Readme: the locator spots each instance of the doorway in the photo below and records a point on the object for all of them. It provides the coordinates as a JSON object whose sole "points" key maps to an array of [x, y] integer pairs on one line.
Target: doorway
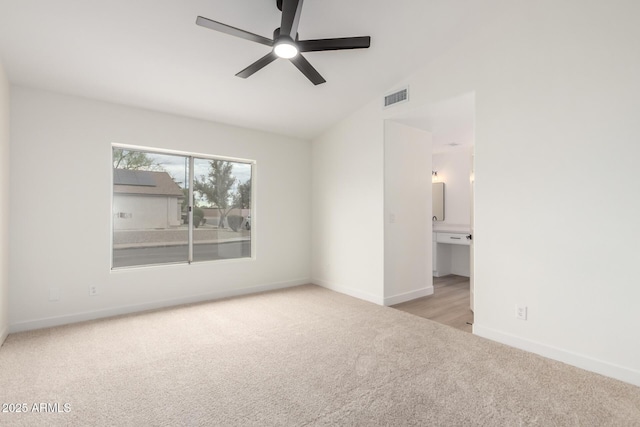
{"points": [[452, 126]]}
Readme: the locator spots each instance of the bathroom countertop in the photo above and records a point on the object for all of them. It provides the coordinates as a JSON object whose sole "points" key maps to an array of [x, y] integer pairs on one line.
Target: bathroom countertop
{"points": [[462, 229]]}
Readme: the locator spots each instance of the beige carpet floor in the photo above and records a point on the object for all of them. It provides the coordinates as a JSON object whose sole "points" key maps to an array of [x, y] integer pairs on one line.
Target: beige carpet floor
{"points": [[301, 356]]}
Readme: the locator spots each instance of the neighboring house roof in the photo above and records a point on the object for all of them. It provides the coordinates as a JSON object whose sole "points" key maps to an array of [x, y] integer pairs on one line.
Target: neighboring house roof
{"points": [[145, 182]]}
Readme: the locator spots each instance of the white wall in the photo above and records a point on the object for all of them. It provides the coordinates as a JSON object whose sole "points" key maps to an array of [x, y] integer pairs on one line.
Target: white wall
{"points": [[407, 210], [4, 205], [60, 207], [146, 212], [556, 143], [454, 169], [452, 259], [347, 202]]}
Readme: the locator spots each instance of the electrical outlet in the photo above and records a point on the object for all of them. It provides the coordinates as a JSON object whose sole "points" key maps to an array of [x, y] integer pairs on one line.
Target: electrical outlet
{"points": [[93, 290], [521, 312], [54, 294], [392, 218]]}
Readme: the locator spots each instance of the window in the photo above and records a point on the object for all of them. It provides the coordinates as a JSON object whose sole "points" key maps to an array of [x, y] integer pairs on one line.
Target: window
{"points": [[177, 208]]}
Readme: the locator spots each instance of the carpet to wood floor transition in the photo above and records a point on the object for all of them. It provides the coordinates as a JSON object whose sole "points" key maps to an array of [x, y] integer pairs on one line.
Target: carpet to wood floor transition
{"points": [[300, 356], [449, 304]]}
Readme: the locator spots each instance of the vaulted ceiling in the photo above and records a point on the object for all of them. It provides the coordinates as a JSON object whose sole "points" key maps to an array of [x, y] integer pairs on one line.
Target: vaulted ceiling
{"points": [[151, 54]]}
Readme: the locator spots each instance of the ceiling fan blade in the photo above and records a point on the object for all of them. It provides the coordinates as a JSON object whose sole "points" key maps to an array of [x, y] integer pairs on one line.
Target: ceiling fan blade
{"points": [[307, 69], [334, 44], [290, 17], [227, 29], [258, 65]]}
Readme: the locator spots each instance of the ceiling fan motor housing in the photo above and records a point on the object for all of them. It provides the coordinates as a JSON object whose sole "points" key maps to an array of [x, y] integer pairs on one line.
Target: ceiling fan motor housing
{"points": [[276, 35]]}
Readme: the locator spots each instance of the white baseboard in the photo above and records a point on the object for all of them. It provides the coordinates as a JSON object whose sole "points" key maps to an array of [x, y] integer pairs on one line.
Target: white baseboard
{"points": [[3, 334], [349, 291], [408, 296], [581, 361], [135, 308]]}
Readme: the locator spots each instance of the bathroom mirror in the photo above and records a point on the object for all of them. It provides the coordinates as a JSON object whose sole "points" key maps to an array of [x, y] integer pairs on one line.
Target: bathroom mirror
{"points": [[437, 193]]}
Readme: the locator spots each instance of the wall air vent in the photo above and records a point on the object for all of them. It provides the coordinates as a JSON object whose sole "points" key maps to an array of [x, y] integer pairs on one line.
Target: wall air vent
{"points": [[396, 97]]}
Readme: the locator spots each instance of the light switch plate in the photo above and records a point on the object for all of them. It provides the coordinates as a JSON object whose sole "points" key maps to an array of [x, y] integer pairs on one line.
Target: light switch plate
{"points": [[521, 312]]}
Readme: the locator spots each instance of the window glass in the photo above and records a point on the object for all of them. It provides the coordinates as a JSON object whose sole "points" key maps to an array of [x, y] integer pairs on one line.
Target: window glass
{"points": [[151, 200], [222, 197]]}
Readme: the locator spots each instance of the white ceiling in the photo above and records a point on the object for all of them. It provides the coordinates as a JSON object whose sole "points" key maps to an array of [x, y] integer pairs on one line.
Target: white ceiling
{"points": [[451, 122], [150, 54]]}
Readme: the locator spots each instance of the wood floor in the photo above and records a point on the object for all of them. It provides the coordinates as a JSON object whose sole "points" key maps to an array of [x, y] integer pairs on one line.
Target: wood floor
{"points": [[448, 305]]}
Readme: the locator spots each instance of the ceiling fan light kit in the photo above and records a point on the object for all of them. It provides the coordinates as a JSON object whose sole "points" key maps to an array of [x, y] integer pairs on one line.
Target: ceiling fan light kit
{"points": [[285, 43], [285, 48]]}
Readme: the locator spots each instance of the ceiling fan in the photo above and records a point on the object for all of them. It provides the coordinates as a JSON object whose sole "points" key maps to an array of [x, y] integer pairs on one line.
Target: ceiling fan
{"points": [[285, 42]]}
